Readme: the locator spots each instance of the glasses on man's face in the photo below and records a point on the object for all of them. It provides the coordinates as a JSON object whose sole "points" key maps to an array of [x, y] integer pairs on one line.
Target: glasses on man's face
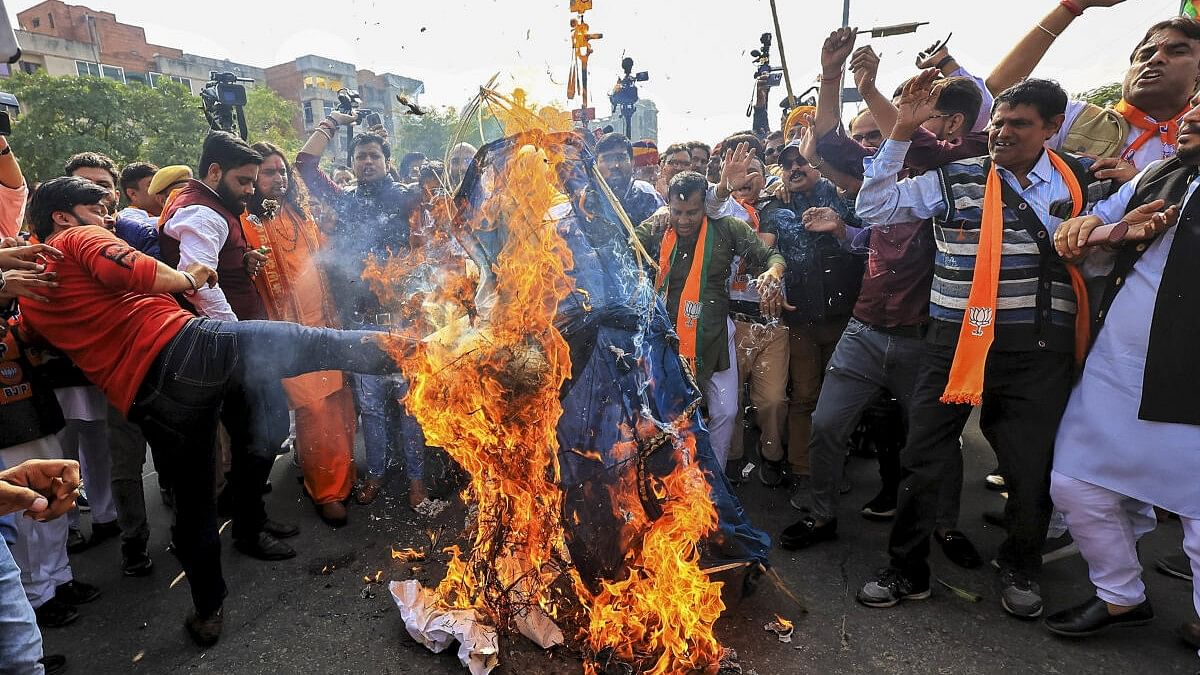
{"points": [[789, 164], [679, 163], [771, 151], [869, 136]]}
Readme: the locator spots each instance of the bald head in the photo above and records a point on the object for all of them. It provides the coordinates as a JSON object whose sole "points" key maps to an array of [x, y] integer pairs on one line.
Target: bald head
{"points": [[460, 159]]}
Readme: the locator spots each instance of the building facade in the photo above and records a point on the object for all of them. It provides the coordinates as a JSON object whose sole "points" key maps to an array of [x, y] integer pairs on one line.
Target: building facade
{"points": [[62, 39]]}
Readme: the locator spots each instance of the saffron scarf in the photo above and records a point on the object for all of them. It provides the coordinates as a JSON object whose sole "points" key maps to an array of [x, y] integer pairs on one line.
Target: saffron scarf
{"points": [[1167, 132], [965, 384], [741, 279], [687, 316]]}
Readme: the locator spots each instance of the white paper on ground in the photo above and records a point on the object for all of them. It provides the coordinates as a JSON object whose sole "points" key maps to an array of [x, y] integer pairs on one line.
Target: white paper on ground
{"points": [[437, 628], [538, 627]]}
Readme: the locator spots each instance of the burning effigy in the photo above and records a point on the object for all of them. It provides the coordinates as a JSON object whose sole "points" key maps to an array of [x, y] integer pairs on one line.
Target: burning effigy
{"points": [[598, 515]]}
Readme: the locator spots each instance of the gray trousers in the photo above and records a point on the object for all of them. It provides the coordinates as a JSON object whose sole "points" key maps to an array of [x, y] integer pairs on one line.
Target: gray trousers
{"points": [[128, 448], [864, 363]]}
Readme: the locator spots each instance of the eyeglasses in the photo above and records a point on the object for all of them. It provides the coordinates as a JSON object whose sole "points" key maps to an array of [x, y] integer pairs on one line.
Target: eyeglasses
{"points": [[870, 135], [771, 151], [787, 164], [940, 115]]}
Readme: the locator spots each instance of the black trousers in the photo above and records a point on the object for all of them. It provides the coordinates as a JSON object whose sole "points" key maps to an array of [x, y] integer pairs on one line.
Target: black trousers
{"points": [[1024, 396], [180, 401]]}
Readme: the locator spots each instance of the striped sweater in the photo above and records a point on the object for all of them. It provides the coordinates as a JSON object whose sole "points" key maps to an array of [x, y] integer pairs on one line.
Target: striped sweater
{"points": [[1035, 308]]}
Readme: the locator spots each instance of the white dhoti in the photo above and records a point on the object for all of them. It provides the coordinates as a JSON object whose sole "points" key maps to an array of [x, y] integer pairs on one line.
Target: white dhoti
{"points": [[41, 548], [721, 399]]}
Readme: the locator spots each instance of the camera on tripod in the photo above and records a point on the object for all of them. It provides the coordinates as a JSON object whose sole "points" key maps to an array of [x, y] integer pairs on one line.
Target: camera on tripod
{"points": [[762, 59], [350, 102], [224, 99], [626, 93]]}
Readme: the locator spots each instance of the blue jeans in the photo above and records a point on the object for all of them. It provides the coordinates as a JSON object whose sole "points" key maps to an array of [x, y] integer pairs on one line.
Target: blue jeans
{"points": [[20, 639], [386, 424], [865, 362], [180, 399]]}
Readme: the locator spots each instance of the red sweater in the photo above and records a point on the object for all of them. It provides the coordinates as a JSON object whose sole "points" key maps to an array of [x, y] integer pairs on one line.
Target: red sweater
{"points": [[103, 314]]}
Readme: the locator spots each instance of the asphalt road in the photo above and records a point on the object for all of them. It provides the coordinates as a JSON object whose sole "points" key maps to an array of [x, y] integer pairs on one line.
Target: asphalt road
{"points": [[314, 614]]}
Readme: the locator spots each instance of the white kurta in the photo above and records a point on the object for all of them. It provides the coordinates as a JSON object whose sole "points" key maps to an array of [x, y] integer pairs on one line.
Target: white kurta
{"points": [[1101, 440]]}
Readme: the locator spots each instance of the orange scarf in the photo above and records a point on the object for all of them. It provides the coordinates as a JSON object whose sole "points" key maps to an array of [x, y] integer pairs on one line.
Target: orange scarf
{"points": [[965, 384], [741, 278], [687, 319], [1167, 132]]}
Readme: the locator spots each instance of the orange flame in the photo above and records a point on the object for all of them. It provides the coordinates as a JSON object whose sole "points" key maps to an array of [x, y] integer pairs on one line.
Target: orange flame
{"points": [[408, 554]]}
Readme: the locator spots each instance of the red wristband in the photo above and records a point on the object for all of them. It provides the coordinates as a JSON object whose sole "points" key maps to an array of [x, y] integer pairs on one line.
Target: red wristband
{"points": [[1072, 7]]}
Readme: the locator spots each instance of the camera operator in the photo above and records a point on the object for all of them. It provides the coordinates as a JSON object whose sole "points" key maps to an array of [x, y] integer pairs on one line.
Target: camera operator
{"points": [[373, 218]]}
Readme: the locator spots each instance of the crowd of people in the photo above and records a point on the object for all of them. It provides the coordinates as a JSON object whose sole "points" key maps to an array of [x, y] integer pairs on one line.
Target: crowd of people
{"points": [[835, 284]]}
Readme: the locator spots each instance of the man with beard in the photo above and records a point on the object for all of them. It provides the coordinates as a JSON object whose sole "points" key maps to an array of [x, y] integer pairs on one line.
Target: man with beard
{"points": [[1129, 438], [202, 226], [293, 289], [374, 219], [1007, 346], [614, 161]]}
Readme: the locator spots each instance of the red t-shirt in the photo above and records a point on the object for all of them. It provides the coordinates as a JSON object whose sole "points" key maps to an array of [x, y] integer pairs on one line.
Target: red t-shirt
{"points": [[103, 314]]}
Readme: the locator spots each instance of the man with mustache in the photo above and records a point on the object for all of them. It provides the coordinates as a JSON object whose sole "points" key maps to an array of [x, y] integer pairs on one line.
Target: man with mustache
{"points": [[614, 161], [1129, 438], [1164, 71], [202, 225], [1006, 346]]}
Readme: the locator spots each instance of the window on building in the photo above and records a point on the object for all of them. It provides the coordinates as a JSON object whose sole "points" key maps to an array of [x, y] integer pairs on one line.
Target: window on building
{"points": [[328, 108], [37, 22], [138, 78], [30, 68], [51, 17], [185, 81], [113, 73], [155, 78], [86, 68], [309, 118]]}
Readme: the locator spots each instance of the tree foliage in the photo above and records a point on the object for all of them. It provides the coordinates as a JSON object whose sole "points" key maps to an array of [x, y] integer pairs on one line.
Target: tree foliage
{"points": [[431, 133], [164, 125], [1103, 96]]}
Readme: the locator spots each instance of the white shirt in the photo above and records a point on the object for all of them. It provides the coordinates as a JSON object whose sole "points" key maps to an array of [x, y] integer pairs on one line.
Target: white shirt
{"points": [[202, 232], [136, 214]]}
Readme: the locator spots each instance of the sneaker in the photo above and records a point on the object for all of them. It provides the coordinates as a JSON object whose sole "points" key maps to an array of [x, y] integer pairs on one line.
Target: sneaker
{"points": [[994, 481], [81, 502], [882, 507], [1175, 565], [1020, 595], [265, 547], [801, 496], [76, 592], [770, 473], [205, 629], [733, 470], [280, 530], [135, 562], [891, 587], [55, 613], [806, 532]]}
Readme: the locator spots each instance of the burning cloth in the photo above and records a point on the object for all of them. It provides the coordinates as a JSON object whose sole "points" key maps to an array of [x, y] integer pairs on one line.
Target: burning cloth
{"points": [[628, 385]]}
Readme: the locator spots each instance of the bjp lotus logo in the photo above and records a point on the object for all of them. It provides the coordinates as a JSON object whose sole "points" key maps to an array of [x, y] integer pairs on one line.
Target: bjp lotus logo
{"points": [[980, 317]]}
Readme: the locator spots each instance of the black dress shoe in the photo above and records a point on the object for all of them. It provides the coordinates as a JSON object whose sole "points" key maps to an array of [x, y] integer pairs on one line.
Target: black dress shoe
{"points": [[995, 518], [76, 592], [279, 530], [54, 664], [1092, 617], [55, 613], [265, 547], [205, 629], [102, 531], [135, 562], [805, 532], [958, 549], [76, 542], [1189, 631]]}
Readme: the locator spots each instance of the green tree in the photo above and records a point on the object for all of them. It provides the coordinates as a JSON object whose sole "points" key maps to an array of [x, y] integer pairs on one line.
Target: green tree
{"points": [[164, 125], [1102, 96], [269, 118], [430, 133]]}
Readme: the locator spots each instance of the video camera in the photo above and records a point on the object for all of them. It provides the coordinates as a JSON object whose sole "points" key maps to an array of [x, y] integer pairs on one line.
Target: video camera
{"points": [[224, 99], [349, 102], [762, 61], [626, 93]]}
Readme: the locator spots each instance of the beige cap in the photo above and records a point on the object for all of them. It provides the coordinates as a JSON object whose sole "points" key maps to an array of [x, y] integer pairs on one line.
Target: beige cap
{"points": [[168, 175]]}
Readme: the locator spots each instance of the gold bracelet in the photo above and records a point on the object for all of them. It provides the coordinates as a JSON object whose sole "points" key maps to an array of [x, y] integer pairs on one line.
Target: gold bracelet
{"points": [[1047, 31]]}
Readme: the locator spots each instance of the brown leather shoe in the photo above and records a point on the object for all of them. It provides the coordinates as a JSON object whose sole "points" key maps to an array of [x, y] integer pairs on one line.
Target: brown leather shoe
{"points": [[333, 513], [369, 490], [1190, 632], [205, 629]]}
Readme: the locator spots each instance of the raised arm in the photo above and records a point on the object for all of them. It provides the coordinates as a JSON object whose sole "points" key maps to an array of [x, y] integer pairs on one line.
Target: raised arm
{"points": [[1026, 54], [834, 53], [865, 66]]}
